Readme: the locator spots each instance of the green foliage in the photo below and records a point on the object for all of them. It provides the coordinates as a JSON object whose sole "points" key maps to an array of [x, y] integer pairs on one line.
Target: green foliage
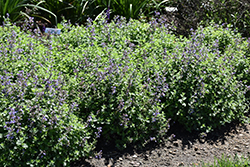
{"points": [[229, 162], [79, 11], [75, 11], [66, 9], [121, 81], [129, 8], [17, 11], [192, 13], [201, 73], [109, 82], [12, 7], [236, 12]]}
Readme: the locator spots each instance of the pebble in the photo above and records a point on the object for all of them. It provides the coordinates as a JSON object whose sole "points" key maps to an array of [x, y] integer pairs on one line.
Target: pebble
{"points": [[195, 148], [171, 152], [202, 140], [135, 163], [120, 159], [181, 164], [111, 160], [134, 156]]}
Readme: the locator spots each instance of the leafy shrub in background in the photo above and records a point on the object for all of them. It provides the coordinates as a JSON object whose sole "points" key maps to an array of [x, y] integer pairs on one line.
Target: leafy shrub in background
{"points": [[192, 13], [129, 8], [54, 11], [75, 11], [235, 12]]}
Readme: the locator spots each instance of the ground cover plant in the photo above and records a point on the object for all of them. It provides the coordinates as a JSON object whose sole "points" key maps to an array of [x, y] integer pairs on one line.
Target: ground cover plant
{"points": [[236, 161], [122, 81]]}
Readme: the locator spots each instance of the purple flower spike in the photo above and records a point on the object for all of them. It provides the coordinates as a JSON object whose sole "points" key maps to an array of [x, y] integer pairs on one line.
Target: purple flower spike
{"points": [[108, 13]]}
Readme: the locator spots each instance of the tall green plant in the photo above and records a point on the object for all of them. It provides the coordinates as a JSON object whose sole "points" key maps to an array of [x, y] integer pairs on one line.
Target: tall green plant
{"points": [[85, 9], [17, 10], [12, 7], [58, 8], [129, 8], [156, 6], [75, 11]]}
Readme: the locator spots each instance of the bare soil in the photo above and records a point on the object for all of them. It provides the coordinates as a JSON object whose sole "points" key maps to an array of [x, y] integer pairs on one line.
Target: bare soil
{"points": [[186, 149]]}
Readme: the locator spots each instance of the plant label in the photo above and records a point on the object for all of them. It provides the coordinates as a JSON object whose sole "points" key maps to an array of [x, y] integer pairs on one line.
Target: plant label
{"points": [[53, 31]]}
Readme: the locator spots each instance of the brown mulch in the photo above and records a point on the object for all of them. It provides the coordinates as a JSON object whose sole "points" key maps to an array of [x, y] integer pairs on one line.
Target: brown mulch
{"points": [[186, 149]]}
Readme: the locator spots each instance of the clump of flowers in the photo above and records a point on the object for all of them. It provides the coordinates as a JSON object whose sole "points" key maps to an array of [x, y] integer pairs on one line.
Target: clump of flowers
{"points": [[38, 126]]}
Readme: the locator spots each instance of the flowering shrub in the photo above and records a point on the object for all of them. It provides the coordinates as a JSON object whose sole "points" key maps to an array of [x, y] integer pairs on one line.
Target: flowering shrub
{"points": [[110, 80], [119, 81], [228, 43], [207, 79], [38, 126]]}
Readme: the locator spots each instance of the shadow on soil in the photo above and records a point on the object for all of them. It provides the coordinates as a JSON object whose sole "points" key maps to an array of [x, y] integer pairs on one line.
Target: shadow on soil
{"points": [[187, 139]]}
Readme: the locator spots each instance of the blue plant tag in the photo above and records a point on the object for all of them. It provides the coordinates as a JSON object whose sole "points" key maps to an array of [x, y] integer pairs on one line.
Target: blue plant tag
{"points": [[53, 31]]}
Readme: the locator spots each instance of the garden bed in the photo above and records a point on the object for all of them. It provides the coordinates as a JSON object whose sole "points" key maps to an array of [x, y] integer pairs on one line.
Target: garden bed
{"points": [[186, 149]]}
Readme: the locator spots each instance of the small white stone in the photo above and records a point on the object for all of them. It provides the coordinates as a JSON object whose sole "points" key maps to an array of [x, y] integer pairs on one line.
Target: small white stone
{"points": [[134, 156]]}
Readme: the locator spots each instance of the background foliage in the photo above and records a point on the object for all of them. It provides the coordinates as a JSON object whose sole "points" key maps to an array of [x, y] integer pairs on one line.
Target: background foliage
{"points": [[191, 13]]}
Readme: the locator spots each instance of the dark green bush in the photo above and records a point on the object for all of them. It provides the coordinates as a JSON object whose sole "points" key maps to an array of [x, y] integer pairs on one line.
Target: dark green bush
{"points": [[191, 13]]}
